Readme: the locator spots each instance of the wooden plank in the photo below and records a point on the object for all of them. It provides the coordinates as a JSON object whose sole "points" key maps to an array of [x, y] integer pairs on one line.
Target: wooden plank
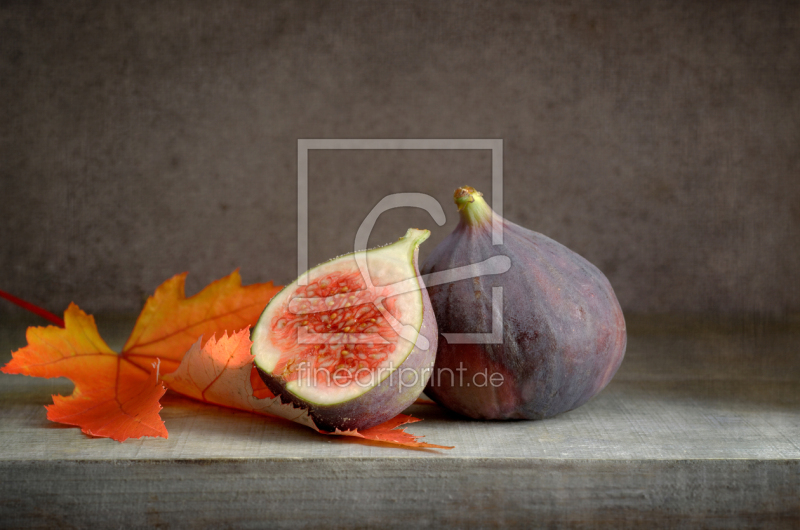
{"points": [[699, 427], [400, 492], [629, 420]]}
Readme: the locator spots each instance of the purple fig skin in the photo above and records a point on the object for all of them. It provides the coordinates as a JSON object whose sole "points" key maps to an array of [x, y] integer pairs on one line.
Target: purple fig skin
{"points": [[564, 333], [387, 399]]}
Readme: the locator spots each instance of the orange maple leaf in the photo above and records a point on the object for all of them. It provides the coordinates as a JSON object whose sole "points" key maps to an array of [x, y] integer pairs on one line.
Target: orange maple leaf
{"points": [[112, 398], [220, 373], [170, 323], [117, 395]]}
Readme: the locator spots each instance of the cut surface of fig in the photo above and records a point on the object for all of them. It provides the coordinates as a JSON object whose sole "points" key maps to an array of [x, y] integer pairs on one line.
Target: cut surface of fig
{"points": [[563, 331], [353, 340]]}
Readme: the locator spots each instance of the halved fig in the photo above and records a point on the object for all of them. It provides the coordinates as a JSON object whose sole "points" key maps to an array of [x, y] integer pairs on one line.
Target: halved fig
{"points": [[354, 339]]}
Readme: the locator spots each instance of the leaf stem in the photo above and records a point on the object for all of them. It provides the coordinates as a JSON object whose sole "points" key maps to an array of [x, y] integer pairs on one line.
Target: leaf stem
{"points": [[47, 315]]}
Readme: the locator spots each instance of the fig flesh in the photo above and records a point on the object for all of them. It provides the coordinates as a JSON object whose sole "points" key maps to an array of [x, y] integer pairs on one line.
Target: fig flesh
{"points": [[563, 331], [353, 340]]}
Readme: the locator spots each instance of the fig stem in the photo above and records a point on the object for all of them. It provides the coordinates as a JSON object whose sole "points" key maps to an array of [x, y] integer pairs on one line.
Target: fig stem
{"points": [[473, 209]]}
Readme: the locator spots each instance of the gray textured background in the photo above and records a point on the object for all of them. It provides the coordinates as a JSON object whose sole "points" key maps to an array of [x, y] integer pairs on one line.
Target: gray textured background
{"points": [[661, 140]]}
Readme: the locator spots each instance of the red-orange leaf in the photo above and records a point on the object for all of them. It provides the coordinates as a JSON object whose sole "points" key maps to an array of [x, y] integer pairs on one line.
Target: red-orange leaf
{"points": [[260, 389], [220, 373], [117, 395], [170, 323], [112, 397], [388, 432]]}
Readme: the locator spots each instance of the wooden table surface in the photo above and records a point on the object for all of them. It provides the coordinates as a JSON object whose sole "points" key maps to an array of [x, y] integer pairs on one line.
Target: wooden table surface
{"points": [[701, 426]]}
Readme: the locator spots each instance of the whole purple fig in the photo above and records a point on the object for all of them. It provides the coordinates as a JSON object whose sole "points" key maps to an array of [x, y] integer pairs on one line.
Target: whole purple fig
{"points": [[563, 333]]}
